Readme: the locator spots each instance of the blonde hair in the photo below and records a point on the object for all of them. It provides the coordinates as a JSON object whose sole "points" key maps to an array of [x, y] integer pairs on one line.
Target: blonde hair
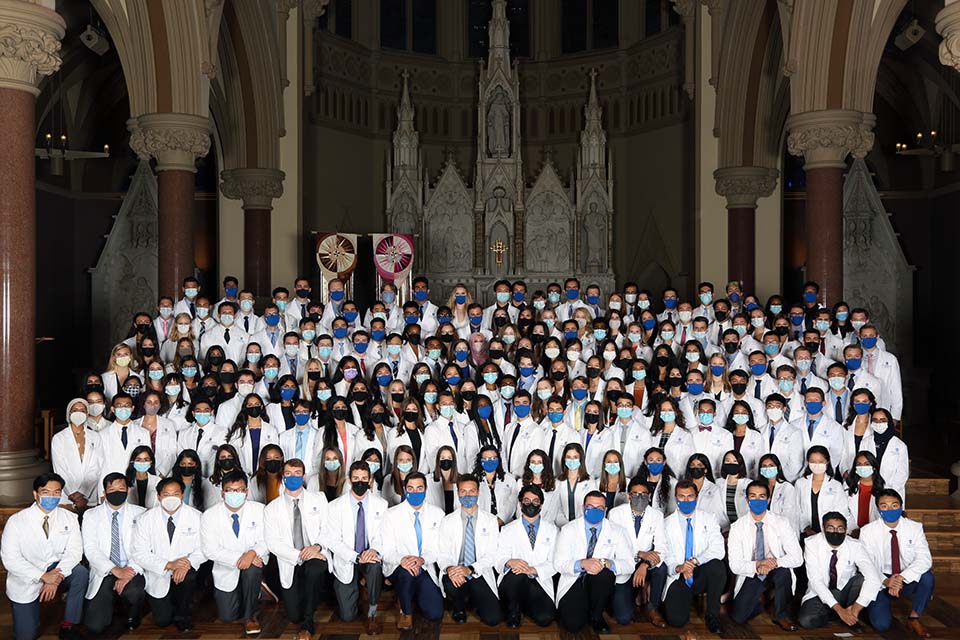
{"points": [[452, 303], [112, 364]]}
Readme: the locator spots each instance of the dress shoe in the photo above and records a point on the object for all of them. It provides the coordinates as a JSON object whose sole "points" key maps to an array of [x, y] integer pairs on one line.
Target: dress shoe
{"points": [[371, 626], [460, 617], [252, 627], [786, 624], [303, 634], [70, 633], [133, 623], [713, 624], [405, 622], [600, 625], [656, 619], [513, 621], [918, 629]]}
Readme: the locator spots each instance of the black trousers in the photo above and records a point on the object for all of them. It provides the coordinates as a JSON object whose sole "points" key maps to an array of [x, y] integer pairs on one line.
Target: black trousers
{"points": [[481, 597], [520, 593], [348, 595], [710, 578], [303, 596], [586, 600], [99, 613], [244, 601], [815, 614], [625, 595], [177, 605], [747, 603]]}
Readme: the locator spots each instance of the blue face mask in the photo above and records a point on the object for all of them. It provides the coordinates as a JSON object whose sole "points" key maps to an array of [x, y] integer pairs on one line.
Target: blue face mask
{"points": [[573, 294], [579, 394], [331, 465], [670, 303], [142, 467], [624, 413], [293, 483], [593, 300], [430, 397], [490, 377], [639, 374], [809, 297], [490, 465], [476, 320], [404, 467], [389, 297], [593, 515], [750, 306], [231, 291], [324, 352], [599, 334], [526, 371], [758, 369], [768, 472], [734, 296], [202, 419], [853, 364], [469, 502], [686, 507], [156, 374], [506, 392], [287, 394], [891, 515], [394, 349], [416, 498], [484, 412], [771, 348], [378, 335], [522, 410], [189, 372], [706, 298], [536, 468], [612, 468], [555, 416], [706, 419], [757, 506], [408, 320], [776, 309], [373, 465], [814, 407], [461, 355], [668, 416], [655, 468], [503, 297], [49, 503], [447, 411], [796, 320], [337, 296], [301, 418], [649, 324], [572, 463], [741, 418], [324, 394], [869, 343], [339, 333], [716, 369], [785, 385], [272, 320], [861, 407], [123, 413], [421, 295], [349, 316], [452, 380], [460, 299], [843, 315], [569, 335], [518, 296], [695, 388]]}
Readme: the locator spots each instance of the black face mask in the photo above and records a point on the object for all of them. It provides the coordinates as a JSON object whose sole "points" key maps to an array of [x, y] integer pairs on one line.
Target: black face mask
{"points": [[313, 375], [228, 377], [117, 498], [625, 363], [593, 372], [254, 412], [187, 472], [359, 396], [413, 338], [523, 323], [359, 487], [208, 391], [148, 352], [557, 376], [721, 315], [396, 397], [696, 472], [272, 466], [92, 386], [142, 328], [216, 360], [410, 416], [446, 338], [592, 418], [613, 395], [813, 346], [496, 354], [537, 338], [315, 317], [227, 464], [674, 382], [530, 510], [834, 538], [468, 395], [341, 414], [730, 469], [781, 331], [731, 347], [662, 360], [378, 418], [739, 388], [446, 465], [303, 293], [500, 321]]}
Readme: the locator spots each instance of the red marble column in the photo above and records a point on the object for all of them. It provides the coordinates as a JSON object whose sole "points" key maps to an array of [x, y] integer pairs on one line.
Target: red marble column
{"points": [[741, 243], [824, 231], [256, 251], [175, 227]]}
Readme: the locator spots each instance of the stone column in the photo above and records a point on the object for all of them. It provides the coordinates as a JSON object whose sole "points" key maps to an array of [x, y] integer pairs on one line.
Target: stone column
{"points": [[742, 187], [824, 139], [687, 9], [29, 50], [175, 141], [948, 26], [257, 188]]}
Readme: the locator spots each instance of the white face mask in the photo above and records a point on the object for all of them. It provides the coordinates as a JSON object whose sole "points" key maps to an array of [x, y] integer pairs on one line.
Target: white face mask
{"points": [[171, 503], [184, 329], [775, 414], [879, 427], [609, 356], [631, 298], [615, 305], [573, 356], [818, 468], [291, 350], [96, 409], [245, 388], [685, 316], [614, 323], [551, 353], [77, 418]]}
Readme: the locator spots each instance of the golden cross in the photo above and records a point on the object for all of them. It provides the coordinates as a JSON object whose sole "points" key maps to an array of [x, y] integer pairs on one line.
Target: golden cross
{"points": [[499, 248]]}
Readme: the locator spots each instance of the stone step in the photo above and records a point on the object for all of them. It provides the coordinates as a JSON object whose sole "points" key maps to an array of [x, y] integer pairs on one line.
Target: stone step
{"points": [[928, 487]]}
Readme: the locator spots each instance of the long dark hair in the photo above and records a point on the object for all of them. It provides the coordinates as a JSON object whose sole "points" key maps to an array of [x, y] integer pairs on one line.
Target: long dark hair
{"points": [[218, 474], [658, 424], [704, 460], [478, 467], [662, 487], [261, 474], [853, 480], [378, 476], [240, 423], [196, 490], [131, 472], [582, 473], [549, 481], [331, 440]]}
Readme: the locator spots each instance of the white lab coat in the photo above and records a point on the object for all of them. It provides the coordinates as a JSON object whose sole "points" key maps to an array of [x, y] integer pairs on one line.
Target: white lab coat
{"points": [[27, 553], [340, 530], [827, 433], [153, 549], [679, 447], [886, 368], [652, 535], [279, 530], [713, 443], [515, 545], [505, 492], [115, 456], [915, 558], [211, 436], [437, 434], [707, 541], [80, 475], [97, 534], [486, 534], [565, 435], [150, 495], [636, 440], [600, 442], [402, 541], [312, 446], [780, 542], [519, 439], [244, 444], [832, 498], [224, 547], [788, 446], [852, 558], [613, 544], [895, 463], [784, 503], [165, 451], [562, 492]]}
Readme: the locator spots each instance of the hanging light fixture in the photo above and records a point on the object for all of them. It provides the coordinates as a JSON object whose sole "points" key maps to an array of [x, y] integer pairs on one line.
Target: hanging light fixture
{"points": [[55, 147]]}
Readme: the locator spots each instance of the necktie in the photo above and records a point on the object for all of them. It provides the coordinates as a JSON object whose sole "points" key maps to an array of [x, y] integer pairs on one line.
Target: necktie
{"points": [[293, 366], [297, 525], [833, 570], [200, 437], [300, 438], [115, 540], [553, 441], [360, 536], [532, 535], [513, 440], [811, 424], [236, 525], [469, 544], [303, 309], [506, 416], [637, 520], [688, 548], [773, 435], [203, 328], [703, 428], [823, 347], [592, 544], [838, 409], [226, 335], [803, 385], [193, 310], [759, 552], [756, 391], [123, 437], [246, 323], [683, 336], [46, 526], [363, 367], [419, 531], [396, 367], [273, 337], [171, 528], [894, 552], [850, 382], [453, 434]]}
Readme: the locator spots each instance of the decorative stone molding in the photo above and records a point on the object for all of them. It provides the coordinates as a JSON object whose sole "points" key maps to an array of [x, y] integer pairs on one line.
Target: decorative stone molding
{"points": [[824, 138], [687, 9], [743, 186], [257, 188], [29, 44], [948, 26], [175, 140]]}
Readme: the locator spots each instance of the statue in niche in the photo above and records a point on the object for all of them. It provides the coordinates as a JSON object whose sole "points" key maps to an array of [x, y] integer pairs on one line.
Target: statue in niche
{"points": [[403, 221], [595, 231], [551, 232], [498, 124]]}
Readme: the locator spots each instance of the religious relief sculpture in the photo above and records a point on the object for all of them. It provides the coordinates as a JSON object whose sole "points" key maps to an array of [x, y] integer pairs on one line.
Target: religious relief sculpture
{"points": [[498, 124], [595, 231], [404, 219]]}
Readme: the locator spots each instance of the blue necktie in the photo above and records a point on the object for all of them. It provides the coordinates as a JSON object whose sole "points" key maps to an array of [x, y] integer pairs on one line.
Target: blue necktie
{"points": [[839, 409], [360, 535], [419, 530], [453, 434], [236, 525], [592, 545], [759, 551], [811, 427], [636, 524], [115, 541], [469, 544], [688, 546]]}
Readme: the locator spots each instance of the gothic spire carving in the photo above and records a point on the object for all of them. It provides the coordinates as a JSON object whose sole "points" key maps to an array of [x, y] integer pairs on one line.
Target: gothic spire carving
{"points": [[406, 140], [593, 139]]}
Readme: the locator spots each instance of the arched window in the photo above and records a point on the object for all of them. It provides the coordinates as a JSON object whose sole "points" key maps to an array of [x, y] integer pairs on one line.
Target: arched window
{"points": [[589, 24], [479, 13], [409, 25]]}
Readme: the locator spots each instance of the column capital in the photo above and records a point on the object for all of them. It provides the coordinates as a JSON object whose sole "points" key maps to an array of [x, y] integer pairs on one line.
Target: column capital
{"points": [[948, 26], [824, 138], [257, 188], [175, 140], [687, 9], [29, 44], [743, 186], [313, 9]]}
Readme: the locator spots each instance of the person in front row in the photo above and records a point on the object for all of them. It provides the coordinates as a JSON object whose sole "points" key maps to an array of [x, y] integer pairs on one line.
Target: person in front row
{"points": [[353, 531], [841, 577], [591, 553], [41, 550], [233, 538], [108, 544], [644, 525], [525, 554], [410, 552], [166, 543], [694, 559], [293, 525], [899, 550], [468, 548], [763, 552]]}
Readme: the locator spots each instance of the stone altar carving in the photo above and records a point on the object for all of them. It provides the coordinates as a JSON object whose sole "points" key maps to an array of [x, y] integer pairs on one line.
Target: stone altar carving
{"points": [[498, 124]]}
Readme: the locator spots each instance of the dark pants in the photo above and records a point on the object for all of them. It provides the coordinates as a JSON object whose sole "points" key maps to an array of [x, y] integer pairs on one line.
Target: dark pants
{"points": [[747, 603], [26, 616], [177, 605], [815, 614], [420, 588], [710, 578], [586, 600], [303, 596], [244, 601], [100, 607], [879, 609], [348, 595], [484, 600], [522, 593], [625, 595]]}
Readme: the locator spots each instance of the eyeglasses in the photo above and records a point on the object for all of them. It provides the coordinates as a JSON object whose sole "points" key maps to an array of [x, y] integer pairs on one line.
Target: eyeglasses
{"points": [[835, 529], [531, 502]]}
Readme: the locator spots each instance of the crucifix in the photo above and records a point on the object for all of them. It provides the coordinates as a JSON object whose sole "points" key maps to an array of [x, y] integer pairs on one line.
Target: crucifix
{"points": [[499, 249]]}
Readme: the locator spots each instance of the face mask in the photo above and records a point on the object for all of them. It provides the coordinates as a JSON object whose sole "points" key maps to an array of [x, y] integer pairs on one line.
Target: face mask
{"points": [[341, 414], [593, 299], [508, 339], [695, 388], [837, 383], [685, 316], [420, 378], [359, 487], [430, 397], [254, 411], [864, 471], [544, 394], [377, 335], [272, 466], [191, 292], [469, 502], [447, 411], [324, 394], [573, 294], [142, 467], [49, 503], [599, 334], [245, 388], [668, 416], [776, 309], [869, 343], [293, 483], [410, 416], [374, 466], [172, 390], [291, 350], [287, 394], [203, 312], [246, 306], [775, 414], [741, 329], [738, 388], [188, 372], [151, 411], [890, 515], [756, 322], [122, 361], [490, 465], [77, 418], [393, 349], [670, 303], [553, 297], [123, 413], [818, 468], [758, 369], [804, 365], [539, 305], [507, 392], [624, 413], [360, 347], [771, 348], [591, 418], [272, 320], [741, 418], [686, 507], [452, 380], [593, 515], [384, 380], [813, 407], [706, 419], [853, 364], [96, 409], [768, 472], [405, 467], [666, 335], [757, 506], [730, 469], [331, 465], [593, 372], [696, 472], [503, 297], [655, 468], [349, 374], [692, 356], [171, 503], [339, 333], [415, 498], [202, 419], [822, 325], [522, 410], [612, 468], [785, 385], [226, 320], [117, 498], [834, 538], [879, 427], [234, 499]]}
